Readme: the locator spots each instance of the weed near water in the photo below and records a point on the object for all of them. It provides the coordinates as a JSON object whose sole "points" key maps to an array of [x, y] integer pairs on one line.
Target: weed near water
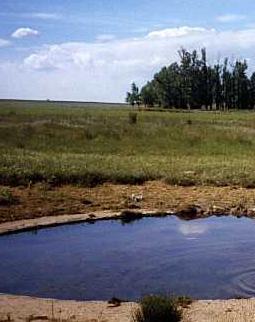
{"points": [[157, 308]]}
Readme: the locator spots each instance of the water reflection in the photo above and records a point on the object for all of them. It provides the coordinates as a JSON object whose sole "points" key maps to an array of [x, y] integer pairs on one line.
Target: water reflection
{"points": [[193, 228]]}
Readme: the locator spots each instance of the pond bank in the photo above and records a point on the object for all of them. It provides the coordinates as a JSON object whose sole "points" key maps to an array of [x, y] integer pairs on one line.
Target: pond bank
{"points": [[43, 200], [189, 212], [22, 308]]}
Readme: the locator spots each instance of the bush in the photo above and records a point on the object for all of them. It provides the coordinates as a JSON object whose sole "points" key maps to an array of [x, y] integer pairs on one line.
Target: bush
{"points": [[132, 116], [157, 309]]}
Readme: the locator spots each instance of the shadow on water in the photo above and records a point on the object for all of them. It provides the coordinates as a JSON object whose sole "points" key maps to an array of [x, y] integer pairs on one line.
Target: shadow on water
{"points": [[129, 216]]}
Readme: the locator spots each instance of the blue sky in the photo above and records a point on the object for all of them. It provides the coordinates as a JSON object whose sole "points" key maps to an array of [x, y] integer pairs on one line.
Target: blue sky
{"points": [[93, 49]]}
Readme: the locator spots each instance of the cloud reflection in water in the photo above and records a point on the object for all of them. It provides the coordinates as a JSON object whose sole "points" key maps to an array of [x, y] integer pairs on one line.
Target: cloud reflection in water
{"points": [[192, 230]]}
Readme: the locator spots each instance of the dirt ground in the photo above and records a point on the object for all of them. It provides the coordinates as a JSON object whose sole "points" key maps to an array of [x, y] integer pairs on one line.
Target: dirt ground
{"points": [[42, 200], [21, 308]]}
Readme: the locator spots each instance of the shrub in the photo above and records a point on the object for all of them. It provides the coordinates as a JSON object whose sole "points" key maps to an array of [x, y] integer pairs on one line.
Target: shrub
{"points": [[89, 134], [132, 116], [157, 309]]}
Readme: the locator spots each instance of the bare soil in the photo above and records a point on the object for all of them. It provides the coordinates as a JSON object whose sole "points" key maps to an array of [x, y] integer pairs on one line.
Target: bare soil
{"points": [[42, 200]]}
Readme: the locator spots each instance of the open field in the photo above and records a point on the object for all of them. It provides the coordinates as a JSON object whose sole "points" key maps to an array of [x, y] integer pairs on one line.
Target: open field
{"points": [[63, 143]]}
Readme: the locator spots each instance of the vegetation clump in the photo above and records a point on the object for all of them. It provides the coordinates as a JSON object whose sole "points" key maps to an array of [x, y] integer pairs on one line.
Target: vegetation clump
{"points": [[132, 116], [155, 308]]}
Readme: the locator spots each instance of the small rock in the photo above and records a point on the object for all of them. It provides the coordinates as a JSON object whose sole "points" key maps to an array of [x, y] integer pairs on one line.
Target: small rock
{"points": [[136, 198], [115, 301], [190, 212]]}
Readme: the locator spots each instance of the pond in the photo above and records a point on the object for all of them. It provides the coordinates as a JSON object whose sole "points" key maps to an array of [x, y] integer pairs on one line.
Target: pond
{"points": [[206, 259]]}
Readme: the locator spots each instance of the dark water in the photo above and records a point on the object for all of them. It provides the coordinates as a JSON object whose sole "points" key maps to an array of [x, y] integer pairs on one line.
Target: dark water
{"points": [[207, 258]]}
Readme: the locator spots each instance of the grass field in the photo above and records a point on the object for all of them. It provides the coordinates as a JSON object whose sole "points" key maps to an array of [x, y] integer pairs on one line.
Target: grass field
{"points": [[87, 144]]}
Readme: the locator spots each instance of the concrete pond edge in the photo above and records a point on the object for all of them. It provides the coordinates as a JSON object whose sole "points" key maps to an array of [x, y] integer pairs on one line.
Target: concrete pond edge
{"points": [[190, 212]]}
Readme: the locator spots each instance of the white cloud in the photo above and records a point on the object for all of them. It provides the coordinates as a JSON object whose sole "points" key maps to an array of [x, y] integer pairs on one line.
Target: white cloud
{"points": [[230, 18], [146, 52], [44, 15], [25, 32], [33, 15], [103, 70], [105, 37], [4, 43], [175, 32]]}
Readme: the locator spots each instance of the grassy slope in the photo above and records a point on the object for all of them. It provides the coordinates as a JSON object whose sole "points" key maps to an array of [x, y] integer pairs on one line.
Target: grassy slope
{"points": [[76, 143]]}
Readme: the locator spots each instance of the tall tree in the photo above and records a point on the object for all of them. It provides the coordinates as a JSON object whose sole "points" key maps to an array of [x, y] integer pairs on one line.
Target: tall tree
{"points": [[252, 91], [149, 95], [133, 97], [186, 81], [241, 96]]}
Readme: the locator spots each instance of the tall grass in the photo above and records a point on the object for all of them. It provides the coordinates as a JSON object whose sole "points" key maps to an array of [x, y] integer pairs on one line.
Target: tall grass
{"points": [[157, 309], [86, 145]]}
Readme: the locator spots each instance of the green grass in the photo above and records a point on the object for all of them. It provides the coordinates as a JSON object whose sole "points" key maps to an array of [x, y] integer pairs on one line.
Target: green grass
{"points": [[90, 143]]}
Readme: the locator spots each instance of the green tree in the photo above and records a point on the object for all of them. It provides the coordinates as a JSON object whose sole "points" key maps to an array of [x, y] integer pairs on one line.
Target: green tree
{"points": [[149, 95], [167, 85], [252, 90], [186, 77], [133, 97], [193, 83], [241, 95]]}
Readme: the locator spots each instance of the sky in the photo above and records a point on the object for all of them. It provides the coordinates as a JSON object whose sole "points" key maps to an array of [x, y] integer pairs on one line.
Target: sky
{"points": [[92, 50]]}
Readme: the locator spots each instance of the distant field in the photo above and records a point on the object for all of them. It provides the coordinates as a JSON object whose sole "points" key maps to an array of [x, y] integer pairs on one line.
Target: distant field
{"points": [[62, 104], [90, 143]]}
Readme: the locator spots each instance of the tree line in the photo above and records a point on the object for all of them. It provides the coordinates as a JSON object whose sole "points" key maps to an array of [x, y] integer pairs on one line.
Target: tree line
{"points": [[193, 83]]}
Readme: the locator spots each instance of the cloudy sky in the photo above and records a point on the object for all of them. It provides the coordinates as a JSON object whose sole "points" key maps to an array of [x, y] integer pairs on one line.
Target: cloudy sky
{"points": [[91, 50]]}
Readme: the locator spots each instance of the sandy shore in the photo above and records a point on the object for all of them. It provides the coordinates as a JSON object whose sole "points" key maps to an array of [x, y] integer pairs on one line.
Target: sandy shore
{"points": [[242, 310], [22, 308]]}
